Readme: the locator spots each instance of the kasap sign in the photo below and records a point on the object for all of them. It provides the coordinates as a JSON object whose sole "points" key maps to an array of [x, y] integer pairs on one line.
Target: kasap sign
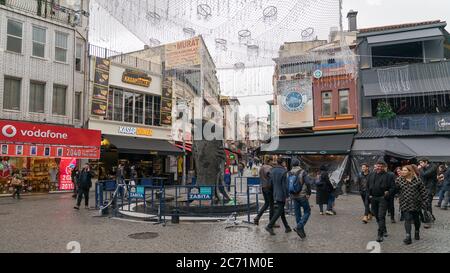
{"points": [[200, 194]]}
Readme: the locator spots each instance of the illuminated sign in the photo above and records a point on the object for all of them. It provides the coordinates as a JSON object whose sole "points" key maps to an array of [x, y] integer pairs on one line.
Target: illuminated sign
{"points": [[133, 131], [136, 78]]}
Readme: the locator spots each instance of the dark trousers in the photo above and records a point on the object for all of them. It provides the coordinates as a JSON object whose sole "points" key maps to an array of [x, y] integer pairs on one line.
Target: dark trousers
{"points": [[379, 207], [391, 207], [410, 218], [268, 204], [279, 212], [430, 198], [365, 199], [17, 190], [82, 192]]}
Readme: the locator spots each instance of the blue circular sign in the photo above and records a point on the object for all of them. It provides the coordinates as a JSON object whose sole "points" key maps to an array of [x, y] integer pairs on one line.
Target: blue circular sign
{"points": [[294, 101]]}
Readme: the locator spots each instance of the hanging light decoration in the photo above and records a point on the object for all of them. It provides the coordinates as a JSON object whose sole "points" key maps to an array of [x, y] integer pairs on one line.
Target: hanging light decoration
{"points": [[244, 36], [270, 14], [221, 44], [307, 33], [153, 17], [204, 11], [189, 32]]}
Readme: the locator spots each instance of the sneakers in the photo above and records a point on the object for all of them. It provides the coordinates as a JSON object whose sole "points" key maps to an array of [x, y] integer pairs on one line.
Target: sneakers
{"points": [[256, 222], [77, 208], [270, 230], [380, 239], [300, 232], [321, 213], [334, 212], [329, 212]]}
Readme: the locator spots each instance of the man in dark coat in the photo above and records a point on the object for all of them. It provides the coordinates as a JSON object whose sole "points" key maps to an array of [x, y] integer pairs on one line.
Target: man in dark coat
{"points": [[264, 177], [381, 186], [324, 189], [84, 186], [428, 174], [278, 180]]}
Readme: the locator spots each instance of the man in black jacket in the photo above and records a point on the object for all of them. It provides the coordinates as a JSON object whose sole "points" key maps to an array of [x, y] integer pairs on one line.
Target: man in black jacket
{"points": [[428, 174], [278, 180], [84, 186], [381, 186]]}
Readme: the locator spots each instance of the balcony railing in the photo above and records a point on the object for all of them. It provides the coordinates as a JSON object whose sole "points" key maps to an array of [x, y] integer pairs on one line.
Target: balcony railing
{"points": [[424, 122], [42, 8], [121, 58]]}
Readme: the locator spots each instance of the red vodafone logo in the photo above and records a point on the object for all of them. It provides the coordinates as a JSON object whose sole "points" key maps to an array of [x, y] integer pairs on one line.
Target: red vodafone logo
{"points": [[9, 131]]}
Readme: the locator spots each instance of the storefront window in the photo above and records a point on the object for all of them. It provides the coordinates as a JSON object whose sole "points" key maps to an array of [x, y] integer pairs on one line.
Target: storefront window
{"points": [[157, 111], [118, 105], [139, 108], [128, 106], [148, 110]]}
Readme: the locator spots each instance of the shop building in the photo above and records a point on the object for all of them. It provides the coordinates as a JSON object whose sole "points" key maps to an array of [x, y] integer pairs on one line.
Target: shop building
{"points": [[45, 155], [128, 106]]}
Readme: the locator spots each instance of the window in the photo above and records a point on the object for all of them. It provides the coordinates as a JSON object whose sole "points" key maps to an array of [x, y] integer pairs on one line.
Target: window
{"points": [[12, 93], [61, 46], [79, 57], [397, 54], [128, 106], [37, 97], [59, 100], [118, 105], [148, 110], [139, 108], [157, 111], [39, 42], [77, 112], [14, 40], [326, 104], [344, 102]]}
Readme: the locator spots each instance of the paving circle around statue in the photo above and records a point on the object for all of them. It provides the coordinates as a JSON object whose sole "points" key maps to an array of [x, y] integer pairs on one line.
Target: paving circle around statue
{"points": [[238, 228], [144, 236]]}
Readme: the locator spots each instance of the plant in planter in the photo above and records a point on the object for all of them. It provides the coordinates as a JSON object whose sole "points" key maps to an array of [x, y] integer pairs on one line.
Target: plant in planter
{"points": [[385, 113]]}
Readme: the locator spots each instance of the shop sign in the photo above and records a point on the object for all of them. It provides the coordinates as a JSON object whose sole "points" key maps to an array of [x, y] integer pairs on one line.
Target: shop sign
{"points": [[183, 54], [133, 131], [200, 194], [66, 167], [41, 150], [442, 124], [136, 78], [137, 192], [23, 132]]}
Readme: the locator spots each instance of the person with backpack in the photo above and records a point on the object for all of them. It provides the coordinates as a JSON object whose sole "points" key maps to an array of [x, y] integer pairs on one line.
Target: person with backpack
{"points": [[84, 186], [300, 191], [264, 178], [278, 180]]}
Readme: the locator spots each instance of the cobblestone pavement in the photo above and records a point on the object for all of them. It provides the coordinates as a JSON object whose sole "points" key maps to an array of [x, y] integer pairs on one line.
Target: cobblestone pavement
{"points": [[47, 223]]}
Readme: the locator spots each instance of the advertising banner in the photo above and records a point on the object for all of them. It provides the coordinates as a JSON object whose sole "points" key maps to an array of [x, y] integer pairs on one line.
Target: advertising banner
{"points": [[65, 173], [101, 87], [295, 103], [183, 54]]}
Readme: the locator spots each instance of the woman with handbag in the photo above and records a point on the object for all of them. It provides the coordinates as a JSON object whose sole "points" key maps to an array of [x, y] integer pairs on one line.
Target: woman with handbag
{"points": [[17, 183], [413, 197]]}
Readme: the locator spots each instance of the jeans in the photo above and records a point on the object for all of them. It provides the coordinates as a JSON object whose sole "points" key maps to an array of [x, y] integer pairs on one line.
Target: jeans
{"points": [[446, 199], [82, 192], [298, 205], [410, 217], [430, 198], [379, 207], [441, 197], [331, 200], [268, 204], [279, 212], [365, 199]]}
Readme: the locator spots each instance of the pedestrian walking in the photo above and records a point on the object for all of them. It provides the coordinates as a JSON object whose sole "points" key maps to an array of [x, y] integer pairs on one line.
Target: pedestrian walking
{"points": [[413, 198], [446, 189], [381, 187], [74, 177], [428, 174], [227, 178], [17, 183], [363, 191], [278, 180], [241, 169], [324, 189], [391, 203], [84, 186], [440, 184], [300, 196], [264, 178]]}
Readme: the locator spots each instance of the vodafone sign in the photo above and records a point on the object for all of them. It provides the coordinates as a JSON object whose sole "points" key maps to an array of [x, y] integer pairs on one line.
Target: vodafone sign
{"points": [[23, 132]]}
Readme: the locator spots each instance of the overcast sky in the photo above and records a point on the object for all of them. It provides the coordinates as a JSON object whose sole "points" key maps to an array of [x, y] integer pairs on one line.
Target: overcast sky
{"points": [[371, 13]]}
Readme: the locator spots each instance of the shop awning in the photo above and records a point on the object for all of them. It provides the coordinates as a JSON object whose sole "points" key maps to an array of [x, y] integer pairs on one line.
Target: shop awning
{"points": [[382, 146], [436, 149], [132, 145], [311, 145]]}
